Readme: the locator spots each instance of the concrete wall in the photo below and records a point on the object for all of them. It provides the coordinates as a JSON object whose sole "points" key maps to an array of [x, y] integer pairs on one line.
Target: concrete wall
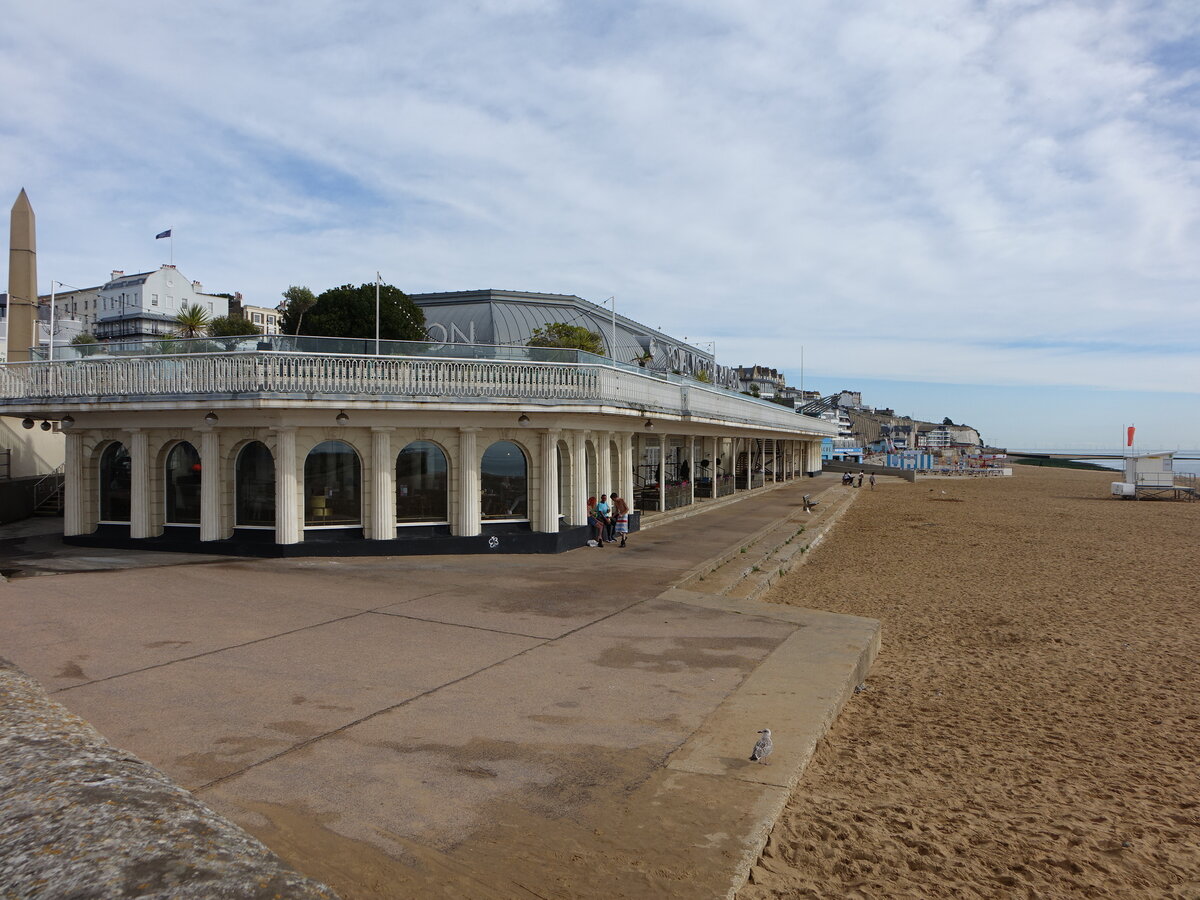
{"points": [[16, 499], [80, 818], [34, 452]]}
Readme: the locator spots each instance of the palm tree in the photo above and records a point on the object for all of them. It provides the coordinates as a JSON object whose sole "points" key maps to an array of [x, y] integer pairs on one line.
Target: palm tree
{"points": [[191, 321]]}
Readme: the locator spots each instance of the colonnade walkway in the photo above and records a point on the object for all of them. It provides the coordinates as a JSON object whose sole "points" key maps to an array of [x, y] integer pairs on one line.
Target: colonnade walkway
{"points": [[576, 725]]}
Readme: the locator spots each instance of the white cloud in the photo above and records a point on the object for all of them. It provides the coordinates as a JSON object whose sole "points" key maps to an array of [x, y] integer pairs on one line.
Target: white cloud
{"points": [[939, 190]]}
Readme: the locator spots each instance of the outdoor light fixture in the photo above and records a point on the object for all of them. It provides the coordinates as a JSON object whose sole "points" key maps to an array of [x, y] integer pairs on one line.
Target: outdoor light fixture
{"points": [[523, 421], [46, 426], [342, 418], [68, 420], [649, 425], [27, 422], [211, 418]]}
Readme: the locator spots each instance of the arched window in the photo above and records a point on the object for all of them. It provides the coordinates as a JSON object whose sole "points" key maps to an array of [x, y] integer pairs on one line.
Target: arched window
{"points": [[114, 484], [254, 487], [422, 484], [564, 478], [183, 485], [332, 485], [504, 482]]}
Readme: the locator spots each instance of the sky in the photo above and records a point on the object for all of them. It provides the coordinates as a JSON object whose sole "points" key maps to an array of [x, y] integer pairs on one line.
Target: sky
{"points": [[982, 210]]}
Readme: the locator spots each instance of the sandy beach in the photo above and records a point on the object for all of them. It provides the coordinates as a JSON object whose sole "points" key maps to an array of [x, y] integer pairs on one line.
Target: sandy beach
{"points": [[1032, 725]]}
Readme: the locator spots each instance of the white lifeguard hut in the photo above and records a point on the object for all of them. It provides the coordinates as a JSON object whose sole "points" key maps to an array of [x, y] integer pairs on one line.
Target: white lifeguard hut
{"points": [[1151, 476]]}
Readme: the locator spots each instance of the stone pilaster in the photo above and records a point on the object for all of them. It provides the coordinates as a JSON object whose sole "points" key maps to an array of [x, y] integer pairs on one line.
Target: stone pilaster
{"points": [[212, 528], [383, 486], [289, 524], [579, 489], [469, 511], [547, 520], [139, 484], [73, 486], [625, 465]]}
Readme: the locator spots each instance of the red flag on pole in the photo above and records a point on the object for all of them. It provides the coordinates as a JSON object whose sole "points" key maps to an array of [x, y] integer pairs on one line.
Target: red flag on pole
{"points": [[1129, 436]]}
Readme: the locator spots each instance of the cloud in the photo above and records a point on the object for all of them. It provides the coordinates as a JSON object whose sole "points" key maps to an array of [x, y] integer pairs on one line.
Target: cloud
{"points": [[940, 190]]}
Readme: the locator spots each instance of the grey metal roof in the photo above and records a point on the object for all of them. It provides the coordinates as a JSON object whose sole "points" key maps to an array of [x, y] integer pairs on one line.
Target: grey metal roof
{"points": [[509, 317]]}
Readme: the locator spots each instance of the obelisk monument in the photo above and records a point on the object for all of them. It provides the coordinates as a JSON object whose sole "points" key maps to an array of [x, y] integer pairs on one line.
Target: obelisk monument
{"points": [[22, 281]]}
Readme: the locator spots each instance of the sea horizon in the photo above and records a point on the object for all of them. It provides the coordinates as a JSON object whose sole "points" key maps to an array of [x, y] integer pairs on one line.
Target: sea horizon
{"points": [[1187, 465]]}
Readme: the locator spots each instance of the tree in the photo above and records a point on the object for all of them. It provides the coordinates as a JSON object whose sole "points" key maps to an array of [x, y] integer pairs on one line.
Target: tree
{"points": [[231, 326], [84, 338], [349, 311], [297, 301], [568, 337], [946, 421], [191, 321]]}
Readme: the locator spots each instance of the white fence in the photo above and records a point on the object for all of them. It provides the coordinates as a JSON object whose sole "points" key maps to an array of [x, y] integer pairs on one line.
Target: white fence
{"points": [[134, 379]]}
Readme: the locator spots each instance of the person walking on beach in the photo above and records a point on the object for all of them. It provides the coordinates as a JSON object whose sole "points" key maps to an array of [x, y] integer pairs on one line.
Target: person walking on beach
{"points": [[860, 478], [621, 518], [872, 480]]}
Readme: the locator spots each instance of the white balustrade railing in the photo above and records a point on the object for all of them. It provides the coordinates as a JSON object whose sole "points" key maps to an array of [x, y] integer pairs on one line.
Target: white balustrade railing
{"points": [[140, 378]]}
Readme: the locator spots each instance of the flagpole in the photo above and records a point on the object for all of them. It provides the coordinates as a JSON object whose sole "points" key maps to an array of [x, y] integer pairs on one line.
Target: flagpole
{"points": [[377, 280]]}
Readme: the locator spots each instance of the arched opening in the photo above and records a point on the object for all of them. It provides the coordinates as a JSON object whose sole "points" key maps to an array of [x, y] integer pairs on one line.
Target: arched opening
{"points": [[254, 487], [182, 489], [332, 486], [422, 484], [614, 467], [564, 479], [115, 480], [504, 483]]}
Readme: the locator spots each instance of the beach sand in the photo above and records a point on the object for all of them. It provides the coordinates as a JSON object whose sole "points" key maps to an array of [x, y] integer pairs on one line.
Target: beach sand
{"points": [[1032, 725]]}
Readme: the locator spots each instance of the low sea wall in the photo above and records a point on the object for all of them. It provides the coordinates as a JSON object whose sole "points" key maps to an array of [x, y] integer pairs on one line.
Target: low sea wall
{"points": [[830, 465], [80, 818]]}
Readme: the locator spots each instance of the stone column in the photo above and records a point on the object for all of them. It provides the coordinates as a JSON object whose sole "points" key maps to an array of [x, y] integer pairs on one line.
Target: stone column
{"points": [[139, 484], [73, 485], [749, 464], [690, 447], [469, 510], [289, 514], [775, 460], [664, 446], [579, 494], [212, 528], [604, 463], [547, 520], [625, 465], [383, 485]]}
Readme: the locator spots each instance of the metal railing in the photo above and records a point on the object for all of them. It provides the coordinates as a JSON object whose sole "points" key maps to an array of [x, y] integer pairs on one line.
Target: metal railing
{"points": [[48, 491], [6, 463], [487, 375]]}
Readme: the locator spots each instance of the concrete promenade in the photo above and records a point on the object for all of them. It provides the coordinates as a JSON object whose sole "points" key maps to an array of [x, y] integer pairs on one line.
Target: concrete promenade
{"points": [[484, 726]]}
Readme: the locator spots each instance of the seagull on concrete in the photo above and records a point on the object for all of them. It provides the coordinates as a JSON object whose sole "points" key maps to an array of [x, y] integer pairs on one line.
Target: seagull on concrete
{"points": [[763, 748]]}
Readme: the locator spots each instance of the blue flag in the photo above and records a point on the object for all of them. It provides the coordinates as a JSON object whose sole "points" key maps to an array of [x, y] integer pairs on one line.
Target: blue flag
{"points": [[163, 234]]}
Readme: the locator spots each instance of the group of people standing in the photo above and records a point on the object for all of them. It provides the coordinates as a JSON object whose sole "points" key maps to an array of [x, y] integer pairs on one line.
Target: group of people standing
{"points": [[608, 520], [848, 479]]}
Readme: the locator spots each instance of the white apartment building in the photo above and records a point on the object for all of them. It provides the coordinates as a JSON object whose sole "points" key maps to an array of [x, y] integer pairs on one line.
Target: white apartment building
{"points": [[145, 305], [266, 318]]}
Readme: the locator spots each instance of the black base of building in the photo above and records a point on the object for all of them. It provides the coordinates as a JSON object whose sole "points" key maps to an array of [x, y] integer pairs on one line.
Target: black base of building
{"points": [[499, 538]]}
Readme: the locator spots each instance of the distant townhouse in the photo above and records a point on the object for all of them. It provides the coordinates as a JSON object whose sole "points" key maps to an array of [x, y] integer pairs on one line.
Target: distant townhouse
{"points": [[266, 318], [145, 305], [760, 380]]}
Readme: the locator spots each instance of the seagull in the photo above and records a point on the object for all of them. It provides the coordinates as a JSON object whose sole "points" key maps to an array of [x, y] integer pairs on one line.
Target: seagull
{"points": [[763, 748]]}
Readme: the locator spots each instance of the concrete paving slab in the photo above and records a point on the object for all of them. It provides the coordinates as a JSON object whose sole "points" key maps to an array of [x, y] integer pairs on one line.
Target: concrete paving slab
{"points": [[256, 700], [468, 726]]}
